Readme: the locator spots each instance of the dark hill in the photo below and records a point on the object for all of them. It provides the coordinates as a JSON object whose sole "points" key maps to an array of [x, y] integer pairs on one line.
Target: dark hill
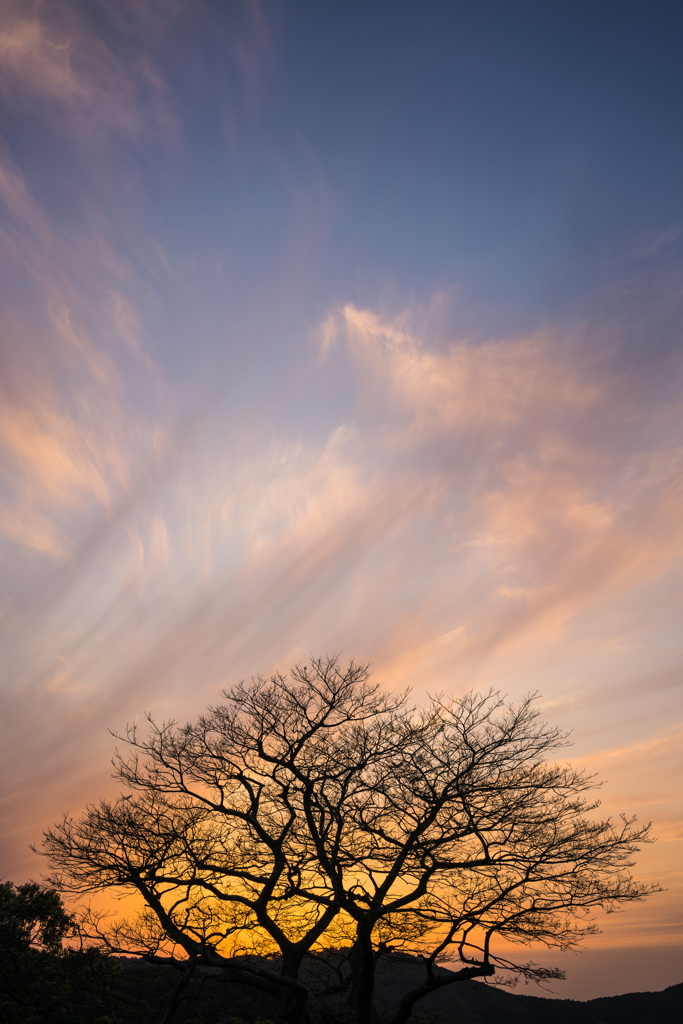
{"points": [[148, 988], [477, 1003]]}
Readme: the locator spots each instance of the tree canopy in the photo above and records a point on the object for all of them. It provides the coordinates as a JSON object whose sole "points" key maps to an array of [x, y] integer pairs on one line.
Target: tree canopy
{"points": [[43, 980], [32, 917], [317, 819]]}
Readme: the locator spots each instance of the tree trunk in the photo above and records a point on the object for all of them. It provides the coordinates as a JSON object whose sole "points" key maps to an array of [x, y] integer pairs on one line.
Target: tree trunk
{"points": [[362, 977], [298, 996], [177, 993]]}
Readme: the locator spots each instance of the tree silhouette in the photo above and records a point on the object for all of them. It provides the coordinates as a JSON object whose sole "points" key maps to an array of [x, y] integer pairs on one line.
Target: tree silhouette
{"points": [[316, 816], [41, 979], [32, 917]]}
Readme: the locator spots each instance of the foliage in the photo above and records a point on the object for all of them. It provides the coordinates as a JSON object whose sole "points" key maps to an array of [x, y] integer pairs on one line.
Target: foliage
{"points": [[32, 916], [40, 980], [316, 812]]}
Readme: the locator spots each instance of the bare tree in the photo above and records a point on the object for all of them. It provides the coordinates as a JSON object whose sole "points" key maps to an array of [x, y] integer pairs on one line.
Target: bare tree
{"points": [[316, 812]]}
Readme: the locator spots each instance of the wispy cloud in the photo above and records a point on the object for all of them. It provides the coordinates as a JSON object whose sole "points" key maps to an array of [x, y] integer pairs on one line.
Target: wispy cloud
{"points": [[69, 440], [17, 201], [468, 385], [553, 524], [51, 60]]}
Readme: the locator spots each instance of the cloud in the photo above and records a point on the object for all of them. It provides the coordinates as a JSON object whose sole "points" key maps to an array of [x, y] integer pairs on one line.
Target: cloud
{"points": [[560, 543], [18, 202], [32, 530], [551, 523], [70, 441], [113, 74], [645, 774], [490, 384], [50, 454], [52, 59]]}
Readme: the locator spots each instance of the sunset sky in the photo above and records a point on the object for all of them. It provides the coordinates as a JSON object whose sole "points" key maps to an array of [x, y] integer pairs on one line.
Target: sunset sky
{"points": [[345, 327]]}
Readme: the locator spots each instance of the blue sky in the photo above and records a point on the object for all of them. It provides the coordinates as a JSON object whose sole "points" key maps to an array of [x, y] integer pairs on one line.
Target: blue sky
{"points": [[344, 327]]}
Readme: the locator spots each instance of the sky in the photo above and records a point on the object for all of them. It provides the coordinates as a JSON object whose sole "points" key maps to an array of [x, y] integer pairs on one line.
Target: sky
{"points": [[345, 328]]}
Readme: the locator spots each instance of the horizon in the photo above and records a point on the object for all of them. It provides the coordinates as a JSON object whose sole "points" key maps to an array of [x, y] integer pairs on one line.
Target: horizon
{"points": [[345, 328]]}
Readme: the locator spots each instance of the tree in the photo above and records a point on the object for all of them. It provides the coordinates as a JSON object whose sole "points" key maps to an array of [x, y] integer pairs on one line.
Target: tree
{"points": [[41, 979], [314, 813], [33, 925], [32, 917]]}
